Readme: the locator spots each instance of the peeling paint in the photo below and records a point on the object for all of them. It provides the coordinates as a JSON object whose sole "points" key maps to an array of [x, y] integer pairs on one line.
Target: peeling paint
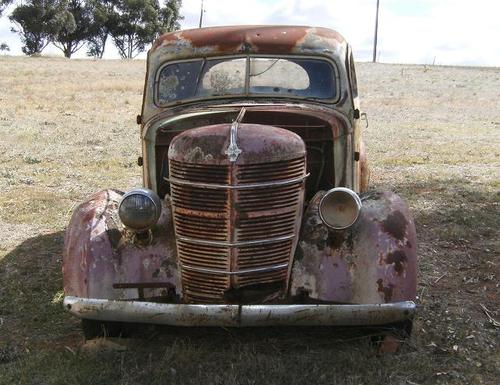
{"points": [[395, 225]]}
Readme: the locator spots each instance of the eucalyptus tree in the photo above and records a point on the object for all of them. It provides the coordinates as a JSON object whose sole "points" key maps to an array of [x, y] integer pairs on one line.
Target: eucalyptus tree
{"points": [[138, 22], [104, 20], [75, 21], [37, 22]]}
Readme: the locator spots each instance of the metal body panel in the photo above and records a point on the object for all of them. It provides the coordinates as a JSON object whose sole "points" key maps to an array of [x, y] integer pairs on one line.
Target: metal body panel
{"points": [[239, 315], [103, 260], [374, 261]]}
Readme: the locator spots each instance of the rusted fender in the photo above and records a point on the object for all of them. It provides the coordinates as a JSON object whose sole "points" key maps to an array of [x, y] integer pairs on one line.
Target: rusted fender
{"points": [[372, 262], [103, 260]]}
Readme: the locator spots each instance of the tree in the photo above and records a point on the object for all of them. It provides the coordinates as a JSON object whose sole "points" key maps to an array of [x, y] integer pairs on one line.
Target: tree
{"points": [[104, 20], [170, 16], [138, 22], [75, 20], [133, 29], [37, 22]]}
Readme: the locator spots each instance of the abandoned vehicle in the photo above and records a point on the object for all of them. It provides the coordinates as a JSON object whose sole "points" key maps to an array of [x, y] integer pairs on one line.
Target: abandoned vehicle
{"points": [[255, 207]]}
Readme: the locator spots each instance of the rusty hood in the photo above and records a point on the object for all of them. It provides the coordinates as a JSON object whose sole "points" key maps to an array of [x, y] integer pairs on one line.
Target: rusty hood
{"points": [[257, 143]]}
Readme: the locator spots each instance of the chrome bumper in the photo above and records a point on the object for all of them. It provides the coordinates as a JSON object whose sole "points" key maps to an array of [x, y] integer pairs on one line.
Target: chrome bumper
{"points": [[239, 315]]}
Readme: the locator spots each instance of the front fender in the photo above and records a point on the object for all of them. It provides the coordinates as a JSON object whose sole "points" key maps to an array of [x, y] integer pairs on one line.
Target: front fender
{"points": [[374, 261], [103, 260]]}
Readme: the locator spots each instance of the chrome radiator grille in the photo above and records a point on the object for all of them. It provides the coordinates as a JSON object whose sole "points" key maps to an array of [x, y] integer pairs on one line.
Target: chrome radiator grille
{"points": [[236, 226]]}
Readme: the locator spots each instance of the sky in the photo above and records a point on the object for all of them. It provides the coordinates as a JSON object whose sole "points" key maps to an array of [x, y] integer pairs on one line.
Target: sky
{"points": [[444, 32]]}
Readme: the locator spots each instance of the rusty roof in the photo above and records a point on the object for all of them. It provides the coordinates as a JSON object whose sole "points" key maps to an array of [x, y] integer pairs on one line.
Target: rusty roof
{"points": [[251, 39]]}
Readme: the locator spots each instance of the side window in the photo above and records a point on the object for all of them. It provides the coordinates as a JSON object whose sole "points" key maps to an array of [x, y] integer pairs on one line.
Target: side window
{"points": [[178, 81], [354, 82]]}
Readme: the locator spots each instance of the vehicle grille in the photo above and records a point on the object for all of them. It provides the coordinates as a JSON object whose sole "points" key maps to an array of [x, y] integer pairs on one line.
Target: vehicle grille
{"points": [[233, 228]]}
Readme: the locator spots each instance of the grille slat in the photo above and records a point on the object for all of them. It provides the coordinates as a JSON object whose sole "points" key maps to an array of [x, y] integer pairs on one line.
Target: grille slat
{"points": [[269, 199], [211, 230], [199, 172], [203, 256], [265, 233], [206, 254], [249, 257], [273, 171]]}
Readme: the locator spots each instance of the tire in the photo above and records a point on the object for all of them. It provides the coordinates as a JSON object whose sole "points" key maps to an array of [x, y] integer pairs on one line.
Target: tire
{"points": [[95, 329]]}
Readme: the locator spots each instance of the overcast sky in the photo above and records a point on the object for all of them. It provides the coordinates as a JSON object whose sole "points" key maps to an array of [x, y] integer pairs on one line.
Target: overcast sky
{"points": [[453, 32]]}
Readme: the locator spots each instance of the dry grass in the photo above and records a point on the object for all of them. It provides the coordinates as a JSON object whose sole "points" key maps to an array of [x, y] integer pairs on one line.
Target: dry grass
{"points": [[67, 130]]}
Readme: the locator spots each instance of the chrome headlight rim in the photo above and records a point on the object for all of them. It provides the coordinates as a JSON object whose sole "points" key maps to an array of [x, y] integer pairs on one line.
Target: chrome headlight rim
{"points": [[352, 194], [153, 198]]}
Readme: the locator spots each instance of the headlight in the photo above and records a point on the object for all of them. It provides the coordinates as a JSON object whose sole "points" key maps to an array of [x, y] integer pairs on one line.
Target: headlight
{"points": [[140, 209], [339, 208]]}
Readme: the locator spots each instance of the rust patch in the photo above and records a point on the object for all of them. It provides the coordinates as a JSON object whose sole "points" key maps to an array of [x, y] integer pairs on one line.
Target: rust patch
{"points": [[272, 39], [390, 345], [206, 145], [335, 239], [395, 225], [89, 215], [167, 38], [398, 258], [386, 290]]}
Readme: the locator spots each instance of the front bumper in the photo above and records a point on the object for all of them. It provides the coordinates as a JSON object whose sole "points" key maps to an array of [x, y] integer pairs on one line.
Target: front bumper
{"points": [[239, 315]]}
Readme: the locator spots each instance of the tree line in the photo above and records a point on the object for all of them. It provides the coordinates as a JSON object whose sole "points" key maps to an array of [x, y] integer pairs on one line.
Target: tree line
{"points": [[72, 24]]}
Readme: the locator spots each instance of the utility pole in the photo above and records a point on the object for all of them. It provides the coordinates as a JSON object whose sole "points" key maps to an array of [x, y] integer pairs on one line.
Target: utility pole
{"points": [[376, 35], [201, 14]]}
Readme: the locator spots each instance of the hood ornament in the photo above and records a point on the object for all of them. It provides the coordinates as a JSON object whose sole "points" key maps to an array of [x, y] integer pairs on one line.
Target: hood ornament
{"points": [[233, 151]]}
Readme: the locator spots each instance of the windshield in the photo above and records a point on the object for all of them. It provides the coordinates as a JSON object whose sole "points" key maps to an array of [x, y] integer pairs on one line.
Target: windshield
{"points": [[263, 76]]}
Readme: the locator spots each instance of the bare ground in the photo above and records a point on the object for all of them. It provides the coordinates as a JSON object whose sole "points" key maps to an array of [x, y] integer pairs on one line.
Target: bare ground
{"points": [[67, 130]]}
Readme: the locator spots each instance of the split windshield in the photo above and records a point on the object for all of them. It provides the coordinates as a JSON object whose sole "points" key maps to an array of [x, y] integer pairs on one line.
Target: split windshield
{"points": [[258, 76]]}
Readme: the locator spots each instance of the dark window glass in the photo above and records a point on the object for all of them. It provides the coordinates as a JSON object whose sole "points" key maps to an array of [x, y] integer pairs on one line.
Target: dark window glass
{"points": [[178, 81]]}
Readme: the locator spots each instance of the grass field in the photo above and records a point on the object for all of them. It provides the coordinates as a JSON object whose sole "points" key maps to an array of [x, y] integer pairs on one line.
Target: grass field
{"points": [[67, 129]]}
